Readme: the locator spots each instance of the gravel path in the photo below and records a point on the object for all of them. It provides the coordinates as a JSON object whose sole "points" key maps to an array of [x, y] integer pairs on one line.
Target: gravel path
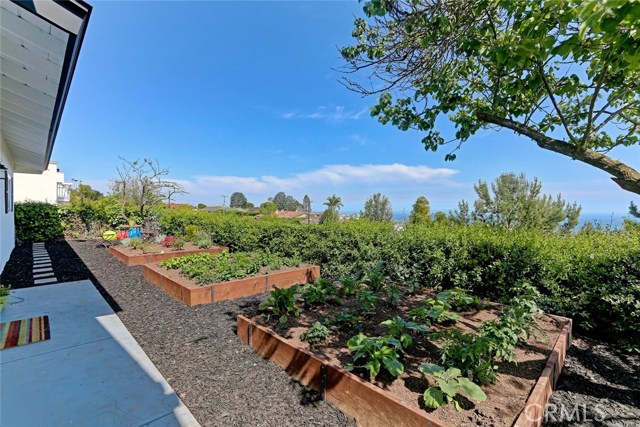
{"points": [[225, 384], [599, 386], [222, 381]]}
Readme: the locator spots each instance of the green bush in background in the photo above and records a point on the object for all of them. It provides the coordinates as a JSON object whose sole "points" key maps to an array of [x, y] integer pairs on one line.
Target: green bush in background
{"points": [[591, 277], [37, 222], [91, 217]]}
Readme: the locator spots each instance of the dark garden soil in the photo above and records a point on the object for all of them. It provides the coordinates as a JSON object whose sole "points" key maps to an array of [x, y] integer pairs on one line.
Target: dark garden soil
{"points": [[224, 383], [18, 272], [506, 397]]}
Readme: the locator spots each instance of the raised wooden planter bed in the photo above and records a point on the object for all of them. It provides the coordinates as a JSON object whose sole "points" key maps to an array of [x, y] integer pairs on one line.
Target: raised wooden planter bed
{"points": [[185, 290], [370, 405], [126, 256]]}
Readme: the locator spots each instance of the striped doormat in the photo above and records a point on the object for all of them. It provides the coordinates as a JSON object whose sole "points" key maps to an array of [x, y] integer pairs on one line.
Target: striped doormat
{"points": [[23, 332]]}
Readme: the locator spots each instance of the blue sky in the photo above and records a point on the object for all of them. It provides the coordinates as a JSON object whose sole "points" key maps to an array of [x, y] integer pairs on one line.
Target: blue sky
{"points": [[244, 96]]}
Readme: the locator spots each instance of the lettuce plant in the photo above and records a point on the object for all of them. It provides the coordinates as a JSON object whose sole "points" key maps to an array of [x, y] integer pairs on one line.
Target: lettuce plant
{"points": [[315, 334]]}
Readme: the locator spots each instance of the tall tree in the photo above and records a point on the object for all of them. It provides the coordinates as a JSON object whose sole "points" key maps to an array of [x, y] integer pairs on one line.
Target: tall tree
{"points": [[514, 203], [268, 208], [377, 208], [238, 200], [306, 206], [333, 202], [280, 200], [420, 213], [291, 204], [84, 192], [564, 73], [633, 210]]}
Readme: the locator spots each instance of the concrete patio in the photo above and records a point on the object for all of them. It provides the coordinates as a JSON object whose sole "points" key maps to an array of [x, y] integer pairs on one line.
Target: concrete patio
{"points": [[91, 371]]}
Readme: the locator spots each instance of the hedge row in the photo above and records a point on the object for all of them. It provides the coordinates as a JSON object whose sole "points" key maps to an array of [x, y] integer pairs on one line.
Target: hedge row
{"points": [[37, 222], [593, 277]]}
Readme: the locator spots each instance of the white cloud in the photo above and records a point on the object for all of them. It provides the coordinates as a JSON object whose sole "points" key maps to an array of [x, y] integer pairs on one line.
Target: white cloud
{"points": [[330, 114], [349, 180], [207, 185]]}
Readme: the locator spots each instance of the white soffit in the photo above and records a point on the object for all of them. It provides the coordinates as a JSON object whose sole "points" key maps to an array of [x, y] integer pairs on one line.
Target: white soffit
{"points": [[36, 63]]}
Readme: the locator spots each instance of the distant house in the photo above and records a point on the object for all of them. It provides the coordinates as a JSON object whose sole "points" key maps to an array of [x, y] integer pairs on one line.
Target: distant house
{"points": [[314, 218], [41, 42], [291, 214], [48, 186], [222, 208]]}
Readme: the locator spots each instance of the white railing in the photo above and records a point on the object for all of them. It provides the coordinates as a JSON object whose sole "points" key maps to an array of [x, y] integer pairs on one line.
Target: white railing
{"points": [[64, 192]]}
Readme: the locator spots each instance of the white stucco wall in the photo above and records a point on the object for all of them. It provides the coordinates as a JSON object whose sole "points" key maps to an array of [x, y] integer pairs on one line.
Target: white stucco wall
{"points": [[7, 227], [38, 187]]}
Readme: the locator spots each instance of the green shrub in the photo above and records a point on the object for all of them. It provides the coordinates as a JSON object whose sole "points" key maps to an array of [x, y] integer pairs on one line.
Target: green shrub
{"points": [[105, 212], [190, 232], [592, 277], [37, 222], [202, 240]]}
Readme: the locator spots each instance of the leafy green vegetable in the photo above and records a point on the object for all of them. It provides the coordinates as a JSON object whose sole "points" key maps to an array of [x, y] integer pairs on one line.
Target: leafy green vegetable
{"points": [[374, 277], [282, 303], [376, 352], [401, 330], [367, 300], [450, 383], [207, 268], [315, 334]]}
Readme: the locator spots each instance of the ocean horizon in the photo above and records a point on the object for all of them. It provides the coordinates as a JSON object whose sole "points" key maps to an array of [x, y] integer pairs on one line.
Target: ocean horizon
{"points": [[612, 220]]}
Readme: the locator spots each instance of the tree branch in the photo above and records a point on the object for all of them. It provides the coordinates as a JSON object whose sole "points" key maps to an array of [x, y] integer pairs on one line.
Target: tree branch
{"points": [[592, 105], [625, 176], [555, 104]]}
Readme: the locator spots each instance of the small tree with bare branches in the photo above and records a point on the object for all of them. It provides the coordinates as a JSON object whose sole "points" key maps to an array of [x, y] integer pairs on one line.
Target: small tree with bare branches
{"points": [[142, 184]]}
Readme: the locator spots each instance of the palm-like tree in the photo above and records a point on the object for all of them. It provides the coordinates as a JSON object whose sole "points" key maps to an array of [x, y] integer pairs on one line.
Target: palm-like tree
{"points": [[334, 202]]}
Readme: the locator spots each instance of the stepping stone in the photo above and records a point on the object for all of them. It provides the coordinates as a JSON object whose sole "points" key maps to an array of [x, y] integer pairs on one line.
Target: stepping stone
{"points": [[41, 270], [44, 281], [42, 265], [42, 259], [42, 275]]}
